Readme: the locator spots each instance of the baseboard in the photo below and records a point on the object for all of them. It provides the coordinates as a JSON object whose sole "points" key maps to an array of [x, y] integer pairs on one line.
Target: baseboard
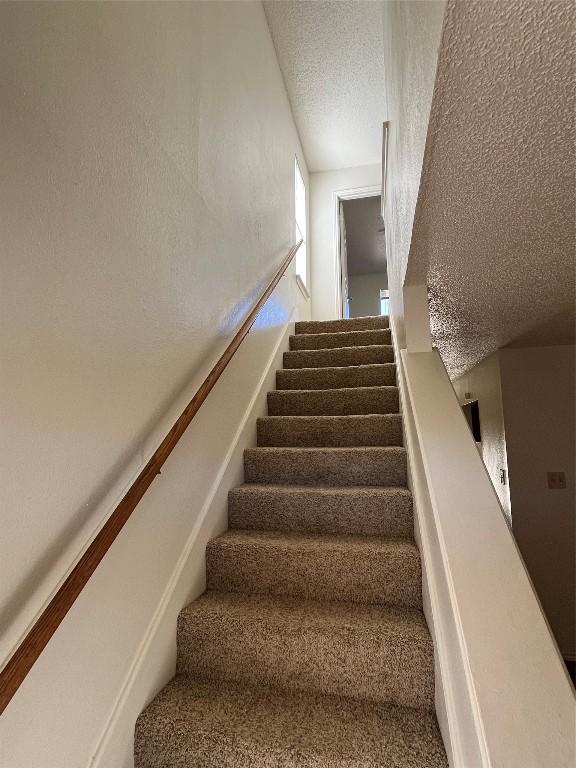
{"points": [[154, 662]]}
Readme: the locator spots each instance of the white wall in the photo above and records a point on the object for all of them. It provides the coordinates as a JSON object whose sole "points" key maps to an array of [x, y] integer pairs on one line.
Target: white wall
{"points": [[412, 33], [325, 269], [538, 386], [365, 294], [147, 158], [483, 384]]}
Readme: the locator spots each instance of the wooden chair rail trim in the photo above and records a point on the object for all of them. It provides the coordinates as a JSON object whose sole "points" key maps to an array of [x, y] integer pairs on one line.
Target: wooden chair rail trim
{"points": [[30, 648]]}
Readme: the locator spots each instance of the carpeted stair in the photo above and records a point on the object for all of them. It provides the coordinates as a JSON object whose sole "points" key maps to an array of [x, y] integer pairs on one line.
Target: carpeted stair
{"points": [[309, 648]]}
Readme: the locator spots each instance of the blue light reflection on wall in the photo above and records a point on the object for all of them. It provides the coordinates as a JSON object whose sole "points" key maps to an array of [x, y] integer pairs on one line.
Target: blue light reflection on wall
{"points": [[274, 312]]}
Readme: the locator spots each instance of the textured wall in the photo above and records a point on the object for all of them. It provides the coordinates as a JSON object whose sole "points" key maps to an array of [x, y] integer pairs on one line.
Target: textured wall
{"points": [[147, 154], [494, 230], [538, 386], [411, 38]]}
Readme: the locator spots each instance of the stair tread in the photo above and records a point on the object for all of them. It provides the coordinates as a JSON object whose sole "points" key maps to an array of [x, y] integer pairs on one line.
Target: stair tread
{"points": [[328, 368], [339, 339], [360, 510], [347, 430], [354, 323], [333, 402], [336, 376], [333, 465], [348, 567], [296, 613], [329, 490], [215, 725], [331, 418], [338, 356], [314, 542], [315, 449], [378, 652], [340, 390]]}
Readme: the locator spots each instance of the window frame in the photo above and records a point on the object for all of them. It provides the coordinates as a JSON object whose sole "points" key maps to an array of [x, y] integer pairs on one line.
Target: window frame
{"points": [[300, 209]]}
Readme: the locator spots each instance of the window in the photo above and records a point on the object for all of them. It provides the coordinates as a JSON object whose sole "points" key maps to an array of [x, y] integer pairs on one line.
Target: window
{"points": [[300, 222], [384, 302]]}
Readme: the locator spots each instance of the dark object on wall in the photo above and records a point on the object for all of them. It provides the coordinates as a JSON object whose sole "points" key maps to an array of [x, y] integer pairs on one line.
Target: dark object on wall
{"points": [[472, 413], [556, 480]]}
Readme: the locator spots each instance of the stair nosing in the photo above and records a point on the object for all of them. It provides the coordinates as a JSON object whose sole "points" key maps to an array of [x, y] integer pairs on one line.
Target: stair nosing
{"points": [[333, 608], [396, 415], [261, 535], [378, 387], [378, 489]]}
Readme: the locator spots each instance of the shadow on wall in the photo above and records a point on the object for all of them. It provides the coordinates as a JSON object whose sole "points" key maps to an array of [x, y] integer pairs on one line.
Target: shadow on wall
{"points": [[365, 294]]}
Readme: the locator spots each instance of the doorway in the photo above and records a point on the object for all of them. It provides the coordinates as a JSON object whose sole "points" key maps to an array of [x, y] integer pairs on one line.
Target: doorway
{"points": [[361, 254]]}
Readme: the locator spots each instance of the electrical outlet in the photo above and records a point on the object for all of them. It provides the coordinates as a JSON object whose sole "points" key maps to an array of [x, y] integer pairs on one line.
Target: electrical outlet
{"points": [[503, 478], [556, 480]]}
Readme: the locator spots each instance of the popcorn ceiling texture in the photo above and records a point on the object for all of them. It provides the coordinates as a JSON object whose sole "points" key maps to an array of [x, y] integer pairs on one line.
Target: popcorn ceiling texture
{"points": [[494, 225], [331, 56]]}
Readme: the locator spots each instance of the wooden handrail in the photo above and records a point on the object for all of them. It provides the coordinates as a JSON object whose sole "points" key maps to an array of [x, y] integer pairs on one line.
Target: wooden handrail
{"points": [[24, 657]]}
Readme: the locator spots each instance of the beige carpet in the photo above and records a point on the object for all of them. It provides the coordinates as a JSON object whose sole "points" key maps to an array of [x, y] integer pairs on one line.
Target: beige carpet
{"points": [[309, 648]]}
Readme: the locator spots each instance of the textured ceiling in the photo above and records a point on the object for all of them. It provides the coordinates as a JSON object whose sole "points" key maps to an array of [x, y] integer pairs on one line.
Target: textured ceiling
{"points": [[332, 60], [365, 245], [494, 226]]}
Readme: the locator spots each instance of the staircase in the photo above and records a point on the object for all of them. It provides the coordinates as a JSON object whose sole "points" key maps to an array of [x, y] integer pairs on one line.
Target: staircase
{"points": [[309, 647]]}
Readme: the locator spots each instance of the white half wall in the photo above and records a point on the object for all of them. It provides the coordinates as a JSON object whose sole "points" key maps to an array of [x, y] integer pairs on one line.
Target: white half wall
{"points": [[325, 269], [507, 699], [365, 294], [412, 32], [538, 386]]}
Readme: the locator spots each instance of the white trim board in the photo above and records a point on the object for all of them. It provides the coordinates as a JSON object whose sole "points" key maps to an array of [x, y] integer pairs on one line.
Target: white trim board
{"points": [[349, 193]]}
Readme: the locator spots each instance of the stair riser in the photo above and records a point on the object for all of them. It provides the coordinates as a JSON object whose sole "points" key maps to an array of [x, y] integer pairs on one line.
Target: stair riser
{"points": [[207, 725], [337, 431], [335, 326], [376, 666], [333, 402], [358, 574], [361, 511], [335, 378], [341, 357], [333, 467], [333, 340]]}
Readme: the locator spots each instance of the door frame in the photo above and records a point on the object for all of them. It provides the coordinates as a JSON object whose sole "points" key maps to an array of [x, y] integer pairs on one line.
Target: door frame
{"points": [[339, 196]]}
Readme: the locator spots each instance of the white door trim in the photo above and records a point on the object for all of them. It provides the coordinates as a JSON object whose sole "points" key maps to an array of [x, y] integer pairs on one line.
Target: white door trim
{"points": [[337, 196]]}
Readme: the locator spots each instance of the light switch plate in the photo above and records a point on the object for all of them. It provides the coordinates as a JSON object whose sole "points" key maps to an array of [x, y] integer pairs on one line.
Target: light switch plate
{"points": [[556, 480]]}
